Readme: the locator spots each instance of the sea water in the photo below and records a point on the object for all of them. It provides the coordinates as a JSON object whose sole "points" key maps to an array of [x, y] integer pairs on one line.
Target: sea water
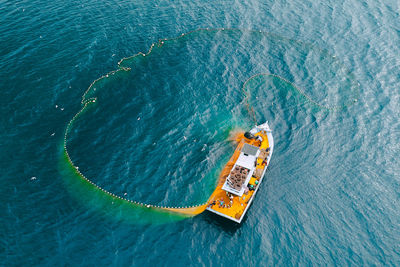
{"points": [[159, 133]]}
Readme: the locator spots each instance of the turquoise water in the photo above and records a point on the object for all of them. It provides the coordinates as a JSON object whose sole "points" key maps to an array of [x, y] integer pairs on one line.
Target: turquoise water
{"points": [[159, 133]]}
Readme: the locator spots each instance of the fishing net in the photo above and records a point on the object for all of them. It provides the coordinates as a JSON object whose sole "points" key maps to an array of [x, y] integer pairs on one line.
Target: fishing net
{"points": [[285, 74]]}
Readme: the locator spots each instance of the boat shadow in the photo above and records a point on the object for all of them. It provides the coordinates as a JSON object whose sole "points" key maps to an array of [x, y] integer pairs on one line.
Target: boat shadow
{"points": [[222, 223]]}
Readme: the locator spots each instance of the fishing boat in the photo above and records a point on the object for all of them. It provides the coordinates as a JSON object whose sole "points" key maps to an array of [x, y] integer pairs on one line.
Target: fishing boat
{"points": [[242, 176]]}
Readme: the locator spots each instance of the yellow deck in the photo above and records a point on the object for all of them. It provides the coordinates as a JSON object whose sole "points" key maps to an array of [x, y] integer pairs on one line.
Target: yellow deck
{"points": [[239, 204]]}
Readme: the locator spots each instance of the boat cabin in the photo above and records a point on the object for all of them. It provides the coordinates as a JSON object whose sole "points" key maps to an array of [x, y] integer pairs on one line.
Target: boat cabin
{"points": [[239, 177]]}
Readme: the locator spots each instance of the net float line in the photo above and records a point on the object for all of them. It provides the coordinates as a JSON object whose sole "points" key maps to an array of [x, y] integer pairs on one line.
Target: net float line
{"points": [[87, 101]]}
